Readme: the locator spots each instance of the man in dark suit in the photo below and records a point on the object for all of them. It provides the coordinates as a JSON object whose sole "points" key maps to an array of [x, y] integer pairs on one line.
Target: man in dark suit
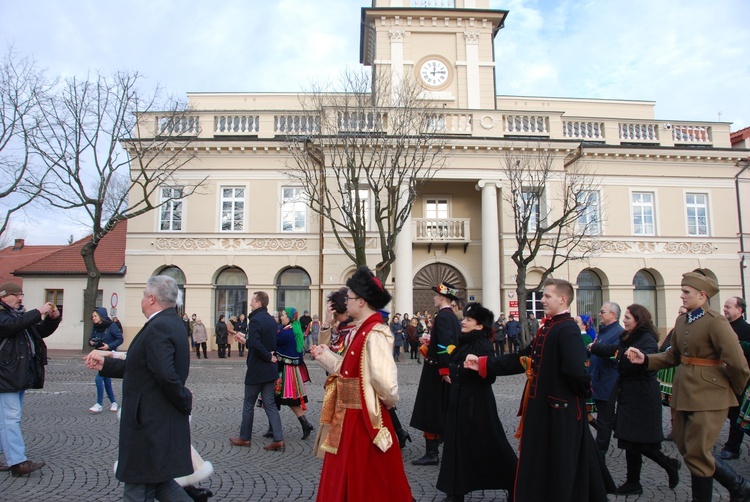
{"points": [[262, 372], [156, 405]]}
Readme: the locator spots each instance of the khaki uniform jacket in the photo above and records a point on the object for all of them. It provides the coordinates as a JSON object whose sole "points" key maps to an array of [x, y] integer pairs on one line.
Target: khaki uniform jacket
{"points": [[704, 388]]}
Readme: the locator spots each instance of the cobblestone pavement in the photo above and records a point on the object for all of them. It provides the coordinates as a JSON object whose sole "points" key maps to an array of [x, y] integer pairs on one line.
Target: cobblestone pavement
{"points": [[80, 448]]}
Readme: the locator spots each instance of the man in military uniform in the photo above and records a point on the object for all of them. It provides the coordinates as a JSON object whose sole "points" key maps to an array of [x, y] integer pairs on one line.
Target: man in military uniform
{"points": [[712, 370]]}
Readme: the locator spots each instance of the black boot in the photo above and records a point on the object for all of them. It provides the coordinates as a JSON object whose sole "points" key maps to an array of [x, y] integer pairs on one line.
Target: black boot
{"points": [[432, 456], [306, 426], [632, 485], [738, 487], [671, 465], [703, 488], [198, 494], [403, 436]]}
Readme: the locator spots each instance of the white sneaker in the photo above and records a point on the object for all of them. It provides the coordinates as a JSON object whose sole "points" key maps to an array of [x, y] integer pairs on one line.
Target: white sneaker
{"points": [[113, 408], [97, 408]]}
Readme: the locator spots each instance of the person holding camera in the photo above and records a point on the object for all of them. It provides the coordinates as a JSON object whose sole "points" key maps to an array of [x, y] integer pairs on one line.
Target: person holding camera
{"points": [[105, 335]]}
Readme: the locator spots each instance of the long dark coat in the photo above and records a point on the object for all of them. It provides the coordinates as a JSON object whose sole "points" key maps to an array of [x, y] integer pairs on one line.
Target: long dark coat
{"points": [[638, 418], [261, 344], [154, 426], [476, 453], [431, 403], [558, 459]]}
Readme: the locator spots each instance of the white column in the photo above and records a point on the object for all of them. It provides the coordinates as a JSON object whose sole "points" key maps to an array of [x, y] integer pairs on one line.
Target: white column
{"points": [[473, 88], [397, 62], [403, 294], [490, 246]]}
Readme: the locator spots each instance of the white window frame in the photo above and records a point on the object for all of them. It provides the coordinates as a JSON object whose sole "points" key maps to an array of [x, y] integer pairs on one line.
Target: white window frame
{"points": [[298, 203], [633, 212], [705, 206], [541, 206], [233, 199], [584, 219], [436, 230], [170, 208], [368, 208]]}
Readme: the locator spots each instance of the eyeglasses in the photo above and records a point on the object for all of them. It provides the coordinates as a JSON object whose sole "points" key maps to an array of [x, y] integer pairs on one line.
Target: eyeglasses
{"points": [[352, 298], [604, 311], [17, 295]]}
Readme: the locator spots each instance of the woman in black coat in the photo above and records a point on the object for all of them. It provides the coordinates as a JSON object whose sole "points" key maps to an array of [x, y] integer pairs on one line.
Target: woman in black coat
{"points": [[638, 418], [476, 453], [241, 327], [221, 335]]}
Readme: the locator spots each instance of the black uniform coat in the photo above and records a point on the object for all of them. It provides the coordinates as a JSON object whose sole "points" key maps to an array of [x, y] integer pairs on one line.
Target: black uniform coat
{"points": [[638, 418], [476, 453], [558, 459], [431, 403], [154, 426], [261, 344]]}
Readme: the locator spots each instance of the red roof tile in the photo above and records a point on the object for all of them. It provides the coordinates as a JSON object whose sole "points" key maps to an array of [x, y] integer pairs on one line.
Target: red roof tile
{"points": [[109, 254], [737, 136], [13, 258]]}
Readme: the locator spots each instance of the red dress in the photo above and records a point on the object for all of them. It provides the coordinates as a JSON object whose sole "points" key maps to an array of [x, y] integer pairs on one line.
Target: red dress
{"points": [[360, 470]]}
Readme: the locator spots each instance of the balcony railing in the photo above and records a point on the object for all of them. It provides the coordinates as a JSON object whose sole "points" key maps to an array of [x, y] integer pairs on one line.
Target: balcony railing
{"points": [[552, 125], [441, 230]]}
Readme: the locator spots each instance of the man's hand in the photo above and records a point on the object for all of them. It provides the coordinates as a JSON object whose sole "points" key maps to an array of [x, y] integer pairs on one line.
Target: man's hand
{"points": [[46, 308], [95, 359], [471, 362], [635, 356], [240, 337], [317, 350], [446, 378]]}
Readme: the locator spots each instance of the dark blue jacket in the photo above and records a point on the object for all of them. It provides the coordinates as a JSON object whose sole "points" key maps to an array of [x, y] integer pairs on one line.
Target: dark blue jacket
{"points": [[108, 331], [513, 328], [261, 343], [604, 370]]}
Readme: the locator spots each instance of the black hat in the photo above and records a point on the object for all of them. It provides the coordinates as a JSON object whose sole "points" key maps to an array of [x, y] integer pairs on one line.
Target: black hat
{"points": [[481, 315], [447, 290], [369, 288]]}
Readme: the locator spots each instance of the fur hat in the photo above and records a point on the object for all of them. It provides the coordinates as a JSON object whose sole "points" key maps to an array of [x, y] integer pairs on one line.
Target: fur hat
{"points": [[447, 290], [700, 282], [368, 287], [481, 315], [9, 288]]}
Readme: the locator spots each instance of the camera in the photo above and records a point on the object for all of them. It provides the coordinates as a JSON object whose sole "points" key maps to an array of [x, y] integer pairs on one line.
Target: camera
{"points": [[98, 342]]}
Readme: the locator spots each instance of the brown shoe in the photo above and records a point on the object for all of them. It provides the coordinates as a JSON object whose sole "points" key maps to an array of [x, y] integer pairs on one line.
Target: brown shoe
{"points": [[275, 446], [25, 468], [240, 442], [4, 467]]}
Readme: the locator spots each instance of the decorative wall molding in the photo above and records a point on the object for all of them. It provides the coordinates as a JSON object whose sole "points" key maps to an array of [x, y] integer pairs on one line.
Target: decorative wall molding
{"points": [[267, 244], [651, 247], [471, 37], [396, 34]]}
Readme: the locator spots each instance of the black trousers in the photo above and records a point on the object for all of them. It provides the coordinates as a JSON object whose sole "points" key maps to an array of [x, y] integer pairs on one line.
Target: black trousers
{"points": [[605, 416], [736, 434]]}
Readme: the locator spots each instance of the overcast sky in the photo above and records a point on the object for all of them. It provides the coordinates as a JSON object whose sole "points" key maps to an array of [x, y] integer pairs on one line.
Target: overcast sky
{"points": [[691, 57]]}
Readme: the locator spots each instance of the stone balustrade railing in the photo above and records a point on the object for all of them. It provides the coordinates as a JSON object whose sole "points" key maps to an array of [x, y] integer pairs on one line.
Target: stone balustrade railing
{"points": [[443, 230], [466, 123]]}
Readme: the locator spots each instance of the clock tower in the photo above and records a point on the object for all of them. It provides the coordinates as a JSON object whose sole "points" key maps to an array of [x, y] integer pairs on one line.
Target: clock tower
{"points": [[444, 45]]}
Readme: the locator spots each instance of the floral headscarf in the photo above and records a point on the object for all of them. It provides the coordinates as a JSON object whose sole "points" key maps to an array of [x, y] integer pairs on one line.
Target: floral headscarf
{"points": [[299, 337]]}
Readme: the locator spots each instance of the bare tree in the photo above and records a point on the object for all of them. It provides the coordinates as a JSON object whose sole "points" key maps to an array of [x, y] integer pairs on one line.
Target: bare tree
{"points": [[361, 153], [22, 86], [92, 174], [555, 208]]}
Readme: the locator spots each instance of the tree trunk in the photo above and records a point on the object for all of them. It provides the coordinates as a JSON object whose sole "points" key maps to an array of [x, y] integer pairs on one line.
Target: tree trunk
{"points": [[521, 293], [90, 293]]}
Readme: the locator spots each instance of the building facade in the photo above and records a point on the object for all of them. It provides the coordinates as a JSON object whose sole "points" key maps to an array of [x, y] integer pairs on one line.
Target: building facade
{"points": [[665, 202]]}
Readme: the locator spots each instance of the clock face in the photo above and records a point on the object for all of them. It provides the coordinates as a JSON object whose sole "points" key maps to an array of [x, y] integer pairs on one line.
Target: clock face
{"points": [[434, 72]]}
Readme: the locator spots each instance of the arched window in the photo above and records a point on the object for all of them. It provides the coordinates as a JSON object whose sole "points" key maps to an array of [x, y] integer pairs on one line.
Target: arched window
{"points": [[179, 277], [231, 292], [645, 292], [293, 289], [589, 293], [430, 276]]}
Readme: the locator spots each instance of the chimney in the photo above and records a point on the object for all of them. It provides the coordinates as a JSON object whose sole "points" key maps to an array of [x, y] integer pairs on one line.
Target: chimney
{"points": [[18, 245]]}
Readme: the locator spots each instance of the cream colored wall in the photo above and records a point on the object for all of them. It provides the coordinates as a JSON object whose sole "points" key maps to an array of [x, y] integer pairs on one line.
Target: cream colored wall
{"points": [[69, 335]]}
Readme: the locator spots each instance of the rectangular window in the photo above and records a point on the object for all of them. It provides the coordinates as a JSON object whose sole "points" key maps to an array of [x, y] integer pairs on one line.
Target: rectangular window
{"points": [[588, 217], [531, 199], [697, 213], [293, 210], [643, 213], [436, 209], [232, 209], [171, 210], [55, 296]]}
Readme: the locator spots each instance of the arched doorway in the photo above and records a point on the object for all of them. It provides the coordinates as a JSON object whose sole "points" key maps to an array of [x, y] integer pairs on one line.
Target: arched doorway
{"points": [[231, 292], [589, 293], [293, 289], [178, 275], [644, 293], [431, 276]]}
